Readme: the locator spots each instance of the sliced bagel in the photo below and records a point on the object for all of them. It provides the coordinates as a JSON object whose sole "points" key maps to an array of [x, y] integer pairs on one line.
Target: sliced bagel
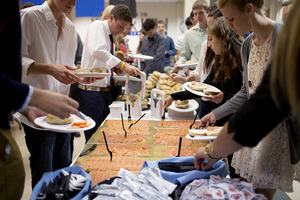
{"points": [[194, 132], [211, 92], [197, 86], [214, 132], [181, 104], [76, 71], [51, 119]]}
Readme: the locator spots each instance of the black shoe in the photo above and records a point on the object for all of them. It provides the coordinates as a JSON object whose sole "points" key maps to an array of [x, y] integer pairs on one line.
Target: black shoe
{"points": [[77, 134]]}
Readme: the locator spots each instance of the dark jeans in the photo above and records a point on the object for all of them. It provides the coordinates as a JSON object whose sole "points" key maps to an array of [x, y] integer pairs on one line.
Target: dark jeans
{"points": [[95, 105], [49, 151]]}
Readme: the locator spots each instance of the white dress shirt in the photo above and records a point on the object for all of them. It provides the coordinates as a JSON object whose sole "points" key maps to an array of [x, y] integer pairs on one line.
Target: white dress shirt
{"points": [[199, 73], [96, 51], [40, 44]]}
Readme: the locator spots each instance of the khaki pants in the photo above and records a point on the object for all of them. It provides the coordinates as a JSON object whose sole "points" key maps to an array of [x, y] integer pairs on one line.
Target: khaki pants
{"points": [[12, 173]]}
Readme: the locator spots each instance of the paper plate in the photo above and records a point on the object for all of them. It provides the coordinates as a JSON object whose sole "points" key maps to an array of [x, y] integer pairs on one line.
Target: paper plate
{"points": [[96, 75], [140, 56], [199, 93], [65, 128], [193, 105]]}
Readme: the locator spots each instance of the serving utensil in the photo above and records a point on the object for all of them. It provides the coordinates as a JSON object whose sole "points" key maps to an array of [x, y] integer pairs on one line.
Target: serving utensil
{"points": [[163, 117], [194, 119], [110, 153], [129, 117], [136, 120], [179, 147], [93, 147], [123, 125]]}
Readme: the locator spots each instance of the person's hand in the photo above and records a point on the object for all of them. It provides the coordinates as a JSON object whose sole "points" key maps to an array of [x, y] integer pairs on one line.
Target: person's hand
{"points": [[208, 119], [177, 78], [31, 113], [177, 68], [131, 70], [57, 104], [89, 80], [216, 98], [199, 160], [63, 74], [135, 60], [168, 101]]}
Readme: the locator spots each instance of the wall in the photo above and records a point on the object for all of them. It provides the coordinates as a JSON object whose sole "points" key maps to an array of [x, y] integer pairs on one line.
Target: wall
{"points": [[172, 11]]}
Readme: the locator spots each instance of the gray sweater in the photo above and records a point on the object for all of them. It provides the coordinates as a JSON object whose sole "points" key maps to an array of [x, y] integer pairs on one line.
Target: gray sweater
{"points": [[232, 105]]}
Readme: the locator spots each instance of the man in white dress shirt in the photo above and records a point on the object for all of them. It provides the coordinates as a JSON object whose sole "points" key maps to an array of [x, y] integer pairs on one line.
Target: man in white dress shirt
{"points": [[48, 49], [98, 52]]}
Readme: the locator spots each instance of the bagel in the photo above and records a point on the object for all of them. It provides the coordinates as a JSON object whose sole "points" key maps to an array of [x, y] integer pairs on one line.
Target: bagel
{"points": [[171, 83], [148, 82], [214, 132], [164, 87], [149, 87], [154, 77], [51, 119], [156, 74], [162, 82], [99, 70], [194, 132], [76, 71], [189, 62], [164, 77], [211, 92], [181, 104], [119, 55], [197, 86]]}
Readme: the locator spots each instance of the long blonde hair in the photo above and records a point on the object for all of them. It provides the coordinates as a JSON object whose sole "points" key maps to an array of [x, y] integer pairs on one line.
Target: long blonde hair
{"points": [[106, 12], [285, 72]]}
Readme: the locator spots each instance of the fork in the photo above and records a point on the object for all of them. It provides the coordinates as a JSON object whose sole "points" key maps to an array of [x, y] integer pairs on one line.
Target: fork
{"points": [[137, 120], [194, 119], [110, 153], [179, 147], [123, 125]]}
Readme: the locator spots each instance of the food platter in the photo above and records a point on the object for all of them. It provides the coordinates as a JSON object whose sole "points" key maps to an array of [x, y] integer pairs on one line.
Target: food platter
{"points": [[193, 105], [41, 121], [200, 93], [92, 74]]}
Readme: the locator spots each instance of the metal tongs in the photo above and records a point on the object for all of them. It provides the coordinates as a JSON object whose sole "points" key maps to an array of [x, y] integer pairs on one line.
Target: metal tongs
{"points": [[137, 121]]}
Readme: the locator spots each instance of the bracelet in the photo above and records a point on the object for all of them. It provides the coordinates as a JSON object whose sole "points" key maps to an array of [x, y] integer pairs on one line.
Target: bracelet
{"points": [[212, 151], [123, 65], [206, 152]]}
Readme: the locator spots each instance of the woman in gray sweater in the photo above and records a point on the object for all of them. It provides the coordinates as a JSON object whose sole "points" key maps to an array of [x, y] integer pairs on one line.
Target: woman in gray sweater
{"points": [[267, 165]]}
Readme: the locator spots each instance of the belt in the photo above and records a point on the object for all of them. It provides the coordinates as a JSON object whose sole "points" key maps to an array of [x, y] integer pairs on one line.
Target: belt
{"points": [[93, 88]]}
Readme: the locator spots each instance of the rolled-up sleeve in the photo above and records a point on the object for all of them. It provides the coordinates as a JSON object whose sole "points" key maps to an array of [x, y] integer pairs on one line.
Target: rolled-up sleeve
{"points": [[28, 34], [97, 46]]}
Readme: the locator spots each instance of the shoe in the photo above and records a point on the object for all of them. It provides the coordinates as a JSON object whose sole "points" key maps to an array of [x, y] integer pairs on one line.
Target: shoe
{"points": [[77, 134]]}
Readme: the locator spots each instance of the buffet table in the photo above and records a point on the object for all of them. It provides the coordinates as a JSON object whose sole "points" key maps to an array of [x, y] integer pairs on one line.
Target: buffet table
{"points": [[150, 139]]}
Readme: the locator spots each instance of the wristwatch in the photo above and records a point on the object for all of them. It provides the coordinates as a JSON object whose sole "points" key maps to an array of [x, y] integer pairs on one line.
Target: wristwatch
{"points": [[206, 152]]}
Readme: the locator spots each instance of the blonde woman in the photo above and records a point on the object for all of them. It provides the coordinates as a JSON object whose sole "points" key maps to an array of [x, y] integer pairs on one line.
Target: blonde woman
{"points": [[267, 165], [106, 13]]}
